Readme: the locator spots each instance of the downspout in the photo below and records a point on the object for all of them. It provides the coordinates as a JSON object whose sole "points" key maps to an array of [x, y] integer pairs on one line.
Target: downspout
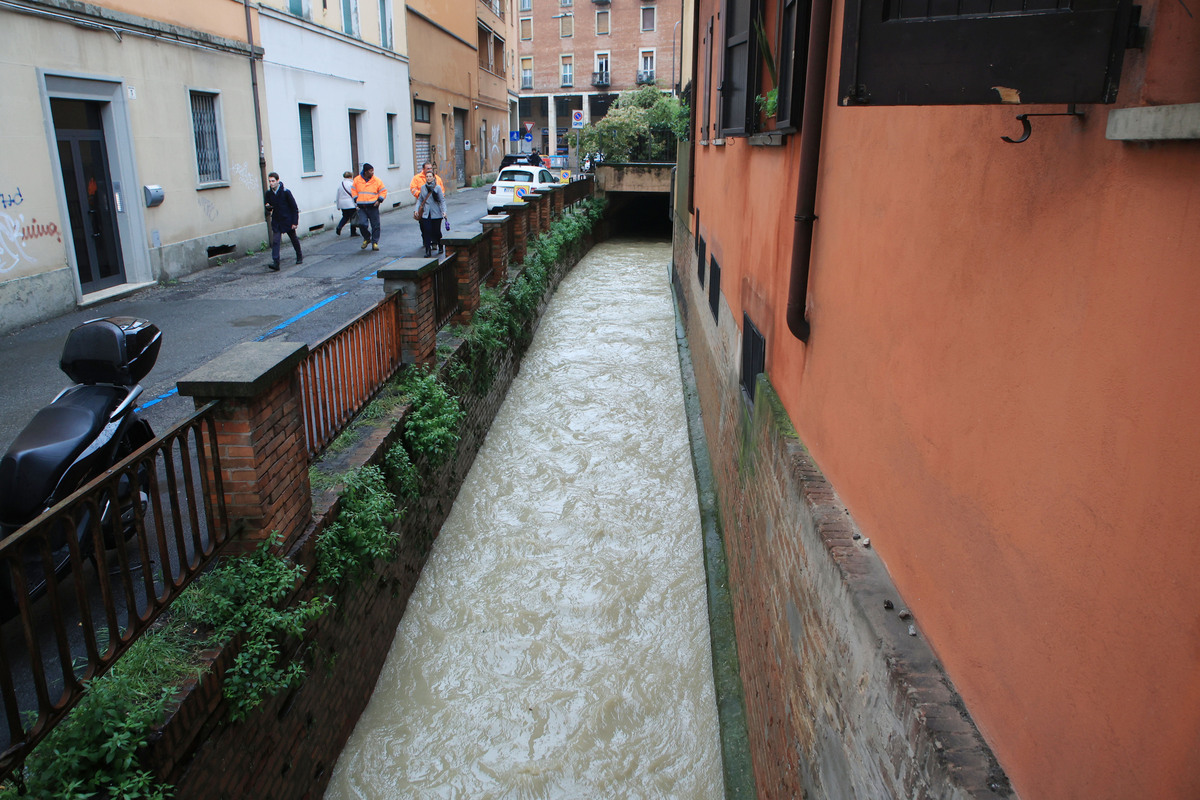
{"points": [[810, 160], [262, 156]]}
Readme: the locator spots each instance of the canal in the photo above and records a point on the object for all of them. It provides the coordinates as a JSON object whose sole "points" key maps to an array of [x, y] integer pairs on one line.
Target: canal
{"points": [[557, 642]]}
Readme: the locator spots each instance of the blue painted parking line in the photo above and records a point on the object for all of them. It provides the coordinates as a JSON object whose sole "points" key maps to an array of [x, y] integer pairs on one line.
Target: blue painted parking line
{"points": [[300, 316]]}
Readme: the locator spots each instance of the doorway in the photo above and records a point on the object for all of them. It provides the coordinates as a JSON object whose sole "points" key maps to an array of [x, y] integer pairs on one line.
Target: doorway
{"points": [[355, 163], [92, 202], [460, 149]]}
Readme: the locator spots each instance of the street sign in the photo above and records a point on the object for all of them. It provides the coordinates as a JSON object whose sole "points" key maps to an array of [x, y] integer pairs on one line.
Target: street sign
{"points": [[576, 119], [519, 193], [529, 137], [514, 136], [564, 176], [528, 127]]}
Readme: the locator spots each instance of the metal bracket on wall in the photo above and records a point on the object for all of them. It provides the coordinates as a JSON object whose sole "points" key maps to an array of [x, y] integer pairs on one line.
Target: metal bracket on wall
{"points": [[1028, 129]]}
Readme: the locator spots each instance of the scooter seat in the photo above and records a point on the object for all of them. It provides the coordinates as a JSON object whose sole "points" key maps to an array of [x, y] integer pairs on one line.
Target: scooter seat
{"points": [[49, 445]]}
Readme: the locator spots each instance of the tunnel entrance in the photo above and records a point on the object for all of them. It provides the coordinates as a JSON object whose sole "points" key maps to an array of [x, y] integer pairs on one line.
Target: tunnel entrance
{"points": [[643, 215]]}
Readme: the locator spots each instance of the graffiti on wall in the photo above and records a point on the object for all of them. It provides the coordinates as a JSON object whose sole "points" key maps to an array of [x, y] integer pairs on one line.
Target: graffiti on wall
{"points": [[15, 233], [495, 140], [208, 207], [244, 175], [8, 200]]}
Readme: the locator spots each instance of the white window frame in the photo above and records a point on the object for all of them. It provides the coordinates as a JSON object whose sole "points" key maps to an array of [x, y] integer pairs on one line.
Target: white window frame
{"points": [[607, 55], [653, 18], [385, 25], [566, 64], [520, 26], [604, 11], [525, 5], [316, 135], [648, 51], [522, 69], [219, 136], [352, 7], [391, 141]]}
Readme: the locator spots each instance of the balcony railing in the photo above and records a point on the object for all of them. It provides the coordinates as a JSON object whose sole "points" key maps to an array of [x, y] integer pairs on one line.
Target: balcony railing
{"points": [[601, 2], [526, 82], [645, 76], [567, 81], [600, 78]]}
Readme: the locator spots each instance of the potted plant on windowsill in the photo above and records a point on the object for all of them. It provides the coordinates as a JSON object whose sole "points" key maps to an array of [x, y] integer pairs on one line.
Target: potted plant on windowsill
{"points": [[766, 102]]}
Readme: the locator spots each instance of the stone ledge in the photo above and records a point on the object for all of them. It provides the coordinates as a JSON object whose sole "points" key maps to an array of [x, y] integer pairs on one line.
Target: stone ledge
{"points": [[408, 268], [1154, 123], [246, 370]]}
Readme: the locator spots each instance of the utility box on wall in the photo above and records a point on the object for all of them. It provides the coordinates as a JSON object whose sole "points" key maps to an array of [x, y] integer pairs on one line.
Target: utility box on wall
{"points": [[154, 195]]}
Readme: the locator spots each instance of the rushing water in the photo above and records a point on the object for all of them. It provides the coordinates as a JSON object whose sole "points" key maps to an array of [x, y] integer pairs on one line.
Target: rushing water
{"points": [[556, 645]]}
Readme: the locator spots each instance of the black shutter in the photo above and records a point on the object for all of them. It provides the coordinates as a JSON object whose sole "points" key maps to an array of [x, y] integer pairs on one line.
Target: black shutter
{"points": [[794, 18], [714, 288], [700, 260], [739, 68], [754, 356], [979, 52], [708, 87]]}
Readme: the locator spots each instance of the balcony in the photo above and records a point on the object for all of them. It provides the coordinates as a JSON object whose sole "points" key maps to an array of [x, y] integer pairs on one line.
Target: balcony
{"points": [[645, 77], [601, 2], [600, 78]]}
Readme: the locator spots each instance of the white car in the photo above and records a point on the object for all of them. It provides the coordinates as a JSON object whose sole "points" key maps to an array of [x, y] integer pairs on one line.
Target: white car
{"points": [[510, 179]]}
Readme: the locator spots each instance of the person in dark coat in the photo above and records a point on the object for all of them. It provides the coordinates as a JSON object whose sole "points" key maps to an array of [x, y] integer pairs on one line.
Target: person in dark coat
{"points": [[285, 216]]}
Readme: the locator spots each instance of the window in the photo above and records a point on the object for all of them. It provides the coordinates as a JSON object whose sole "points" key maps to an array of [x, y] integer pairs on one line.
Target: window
{"points": [[296, 7], [349, 12], [565, 3], [792, 47], [601, 77], [385, 24], [498, 56], [566, 27], [206, 131], [308, 144], [897, 52], [391, 139], [737, 83], [601, 23], [646, 67], [648, 18], [525, 5], [754, 357], [702, 250], [568, 70], [526, 28], [714, 288], [526, 73], [421, 111], [708, 82], [421, 147]]}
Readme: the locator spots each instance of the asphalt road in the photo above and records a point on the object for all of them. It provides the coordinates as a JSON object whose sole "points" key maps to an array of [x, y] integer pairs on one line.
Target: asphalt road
{"points": [[210, 311]]}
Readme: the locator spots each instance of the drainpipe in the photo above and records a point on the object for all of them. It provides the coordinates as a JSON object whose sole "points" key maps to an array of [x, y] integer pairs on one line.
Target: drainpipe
{"points": [[810, 159], [262, 156]]}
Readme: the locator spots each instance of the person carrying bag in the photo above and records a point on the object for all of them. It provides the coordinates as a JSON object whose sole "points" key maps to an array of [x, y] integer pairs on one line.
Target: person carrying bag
{"points": [[431, 215]]}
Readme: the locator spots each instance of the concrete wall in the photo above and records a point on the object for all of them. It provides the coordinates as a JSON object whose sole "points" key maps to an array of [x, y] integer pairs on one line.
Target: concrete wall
{"points": [[999, 386], [338, 74]]}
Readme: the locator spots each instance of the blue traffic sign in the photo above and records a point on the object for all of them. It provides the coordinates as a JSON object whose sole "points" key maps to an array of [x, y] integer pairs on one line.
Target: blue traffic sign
{"points": [[514, 136], [529, 137]]}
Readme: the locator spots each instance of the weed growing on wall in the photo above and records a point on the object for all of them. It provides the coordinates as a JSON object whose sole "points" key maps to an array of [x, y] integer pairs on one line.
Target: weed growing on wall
{"points": [[92, 752], [431, 429], [240, 596], [362, 532], [401, 472]]}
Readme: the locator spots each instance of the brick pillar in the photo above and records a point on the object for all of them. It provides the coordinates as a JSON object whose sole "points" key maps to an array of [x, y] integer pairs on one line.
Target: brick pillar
{"points": [[413, 278], [519, 214], [557, 201], [496, 227], [543, 212], [466, 250], [534, 201], [260, 436]]}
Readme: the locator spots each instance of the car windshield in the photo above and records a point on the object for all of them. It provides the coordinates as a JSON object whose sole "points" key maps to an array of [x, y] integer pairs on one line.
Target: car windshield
{"points": [[516, 175]]}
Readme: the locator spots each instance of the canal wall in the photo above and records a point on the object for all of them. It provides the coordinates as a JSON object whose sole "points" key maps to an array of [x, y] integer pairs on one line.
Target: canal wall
{"points": [[844, 697], [288, 747]]}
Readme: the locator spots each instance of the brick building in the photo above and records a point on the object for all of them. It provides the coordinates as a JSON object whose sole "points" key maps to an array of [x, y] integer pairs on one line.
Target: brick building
{"points": [[578, 55]]}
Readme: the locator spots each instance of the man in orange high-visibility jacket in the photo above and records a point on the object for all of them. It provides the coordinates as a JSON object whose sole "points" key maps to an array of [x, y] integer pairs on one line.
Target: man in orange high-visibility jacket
{"points": [[418, 180], [369, 193]]}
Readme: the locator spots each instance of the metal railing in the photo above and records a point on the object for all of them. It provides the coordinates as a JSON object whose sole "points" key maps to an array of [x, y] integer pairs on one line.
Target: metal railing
{"points": [[645, 76], [445, 293], [345, 369], [601, 78], [84, 580], [526, 83]]}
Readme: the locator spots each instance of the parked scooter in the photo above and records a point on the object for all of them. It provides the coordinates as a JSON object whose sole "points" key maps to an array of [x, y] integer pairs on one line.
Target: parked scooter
{"points": [[86, 429]]}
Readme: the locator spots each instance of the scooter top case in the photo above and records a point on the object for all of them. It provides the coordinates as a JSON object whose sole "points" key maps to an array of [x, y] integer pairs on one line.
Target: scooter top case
{"points": [[116, 350]]}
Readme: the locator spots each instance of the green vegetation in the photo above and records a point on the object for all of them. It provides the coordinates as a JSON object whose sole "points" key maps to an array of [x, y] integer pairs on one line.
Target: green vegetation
{"points": [[431, 429], [363, 530], [641, 126]]}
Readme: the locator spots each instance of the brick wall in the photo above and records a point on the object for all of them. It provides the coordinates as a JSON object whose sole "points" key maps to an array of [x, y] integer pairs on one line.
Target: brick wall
{"points": [[288, 747], [842, 701]]}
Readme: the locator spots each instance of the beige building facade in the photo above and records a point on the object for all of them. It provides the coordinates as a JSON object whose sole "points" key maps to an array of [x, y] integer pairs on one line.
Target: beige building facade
{"points": [[136, 157]]}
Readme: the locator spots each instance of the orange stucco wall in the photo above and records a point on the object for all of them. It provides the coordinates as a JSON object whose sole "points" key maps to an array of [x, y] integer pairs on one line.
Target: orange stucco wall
{"points": [[1001, 384]]}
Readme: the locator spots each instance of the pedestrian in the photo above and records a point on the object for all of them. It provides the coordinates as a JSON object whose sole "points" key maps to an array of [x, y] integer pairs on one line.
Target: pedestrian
{"points": [[415, 185], [346, 204], [369, 193], [431, 213], [285, 216], [534, 159]]}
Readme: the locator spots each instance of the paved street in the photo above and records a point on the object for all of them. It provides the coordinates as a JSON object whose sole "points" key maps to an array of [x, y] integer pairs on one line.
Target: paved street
{"points": [[208, 312]]}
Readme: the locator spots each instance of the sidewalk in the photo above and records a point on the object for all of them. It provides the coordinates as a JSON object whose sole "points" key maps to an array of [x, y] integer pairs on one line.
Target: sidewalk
{"points": [[209, 311]]}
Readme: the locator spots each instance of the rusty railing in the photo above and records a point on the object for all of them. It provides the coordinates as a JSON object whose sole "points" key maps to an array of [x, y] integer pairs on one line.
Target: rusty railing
{"points": [[343, 371], [82, 582]]}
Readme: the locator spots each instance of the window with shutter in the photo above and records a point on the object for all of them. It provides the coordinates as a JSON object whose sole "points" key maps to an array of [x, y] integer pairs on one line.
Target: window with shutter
{"points": [[308, 145], [978, 52], [792, 38], [708, 82], [206, 133], [738, 79], [754, 357]]}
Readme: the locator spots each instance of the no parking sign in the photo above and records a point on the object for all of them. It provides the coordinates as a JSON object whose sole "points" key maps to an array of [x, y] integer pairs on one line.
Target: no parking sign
{"points": [[520, 192], [576, 119]]}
